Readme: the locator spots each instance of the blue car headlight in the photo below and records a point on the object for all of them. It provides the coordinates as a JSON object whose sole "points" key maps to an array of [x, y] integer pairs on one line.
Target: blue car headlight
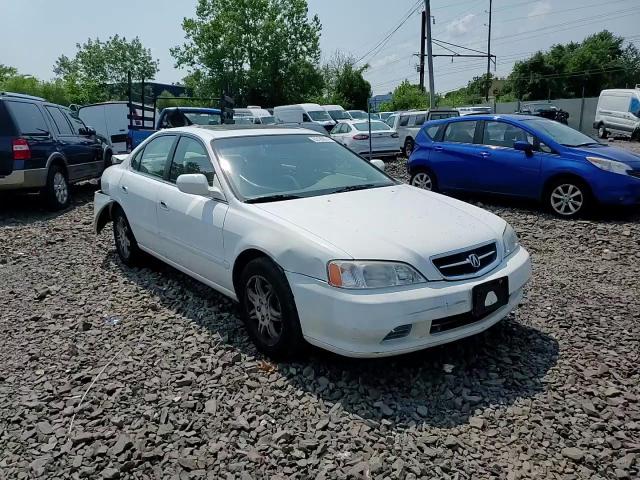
{"points": [[510, 241], [610, 165]]}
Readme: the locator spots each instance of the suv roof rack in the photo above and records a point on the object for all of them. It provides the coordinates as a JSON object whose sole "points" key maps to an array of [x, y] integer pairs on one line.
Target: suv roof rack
{"points": [[22, 95]]}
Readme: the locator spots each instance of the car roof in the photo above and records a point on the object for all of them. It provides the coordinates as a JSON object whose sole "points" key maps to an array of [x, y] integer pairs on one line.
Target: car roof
{"points": [[195, 109], [487, 116], [214, 132]]}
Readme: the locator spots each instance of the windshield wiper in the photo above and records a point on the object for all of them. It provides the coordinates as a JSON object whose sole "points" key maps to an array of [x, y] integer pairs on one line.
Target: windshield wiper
{"points": [[273, 198], [353, 188], [585, 144]]}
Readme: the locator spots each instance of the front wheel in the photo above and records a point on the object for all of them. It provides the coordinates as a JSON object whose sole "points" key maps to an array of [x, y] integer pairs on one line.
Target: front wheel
{"points": [[568, 198], [268, 310], [409, 145], [423, 179], [602, 132]]}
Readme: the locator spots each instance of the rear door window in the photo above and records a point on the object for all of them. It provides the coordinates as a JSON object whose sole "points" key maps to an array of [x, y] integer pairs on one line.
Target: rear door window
{"points": [[460, 132], [420, 119], [28, 117], [155, 155], [404, 120], [60, 121]]}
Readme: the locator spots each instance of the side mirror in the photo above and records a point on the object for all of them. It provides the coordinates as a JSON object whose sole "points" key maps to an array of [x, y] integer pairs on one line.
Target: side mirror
{"points": [[117, 159], [197, 184], [379, 164], [87, 131], [525, 147]]}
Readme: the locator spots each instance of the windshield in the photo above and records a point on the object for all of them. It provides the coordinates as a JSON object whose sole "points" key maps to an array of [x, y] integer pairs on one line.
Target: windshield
{"points": [[376, 126], [561, 133], [268, 120], [339, 115], [293, 166], [358, 115], [203, 118], [319, 116]]}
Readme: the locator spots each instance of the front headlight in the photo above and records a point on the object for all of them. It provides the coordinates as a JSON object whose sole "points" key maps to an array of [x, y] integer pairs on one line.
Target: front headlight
{"points": [[353, 274], [510, 240], [609, 165]]}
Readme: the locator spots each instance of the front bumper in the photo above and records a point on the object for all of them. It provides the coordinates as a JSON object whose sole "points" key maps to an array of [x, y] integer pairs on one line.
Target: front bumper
{"points": [[614, 189], [355, 323]]}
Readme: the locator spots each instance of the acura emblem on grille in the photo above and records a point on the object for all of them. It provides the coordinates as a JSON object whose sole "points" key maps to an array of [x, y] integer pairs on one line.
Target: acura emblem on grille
{"points": [[474, 260]]}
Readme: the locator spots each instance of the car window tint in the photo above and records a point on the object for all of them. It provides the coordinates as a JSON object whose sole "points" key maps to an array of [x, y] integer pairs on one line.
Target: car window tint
{"points": [[155, 154], [305, 118], [460, 132], [76, 123], [420, 119], [404, 120], [190, 157], [60, 121], [28, 117], [135, 161], [433, 131], [376, 126], [502, 134]]}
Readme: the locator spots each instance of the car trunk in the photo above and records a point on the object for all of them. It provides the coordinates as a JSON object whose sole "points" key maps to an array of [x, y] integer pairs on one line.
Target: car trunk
{"points": [[383, 141]]}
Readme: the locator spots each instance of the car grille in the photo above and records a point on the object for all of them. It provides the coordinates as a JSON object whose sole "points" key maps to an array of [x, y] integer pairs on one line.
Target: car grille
{"points": [[635, 173], [467, 263], [398, 332]]}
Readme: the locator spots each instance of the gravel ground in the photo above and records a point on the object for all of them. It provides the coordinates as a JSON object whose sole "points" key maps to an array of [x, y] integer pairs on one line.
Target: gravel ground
{"points": [[108, 372]]}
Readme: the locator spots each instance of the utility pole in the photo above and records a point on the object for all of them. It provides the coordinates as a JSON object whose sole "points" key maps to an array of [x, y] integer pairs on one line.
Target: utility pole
{"points": [[489, 52], [422, 37], [432, 98]]}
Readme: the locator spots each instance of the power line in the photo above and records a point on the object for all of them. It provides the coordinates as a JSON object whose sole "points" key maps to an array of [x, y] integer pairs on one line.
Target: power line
{"points": [[386, 39]]}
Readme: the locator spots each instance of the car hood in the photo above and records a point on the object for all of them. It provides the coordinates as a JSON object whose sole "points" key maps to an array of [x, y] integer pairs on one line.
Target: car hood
{"points": [[399, 222], [612, 153]]}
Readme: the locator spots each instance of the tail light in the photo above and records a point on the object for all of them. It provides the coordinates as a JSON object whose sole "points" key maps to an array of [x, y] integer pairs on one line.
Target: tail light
{"points": [[21, 149], [361, 136], [395, 135]]}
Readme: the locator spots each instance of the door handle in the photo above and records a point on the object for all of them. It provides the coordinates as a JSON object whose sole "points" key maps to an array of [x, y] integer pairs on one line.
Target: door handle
{"points": [[438, 149], [163, 205], [124, 188], [484, 154]]}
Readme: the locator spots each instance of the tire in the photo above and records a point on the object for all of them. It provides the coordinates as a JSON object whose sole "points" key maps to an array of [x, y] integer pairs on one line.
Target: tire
{"points": [[409, 145], [126, 244], [424, 179], [568, 198], [268, 310], [635, 136], [602, 132], [56, 193]]}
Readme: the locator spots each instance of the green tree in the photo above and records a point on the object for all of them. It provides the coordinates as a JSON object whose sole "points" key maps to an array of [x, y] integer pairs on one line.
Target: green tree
{"points": [[344, 83], [263, 52], [6, 72], [98, 71], [600, 61], [52, 91], [405, 97]]}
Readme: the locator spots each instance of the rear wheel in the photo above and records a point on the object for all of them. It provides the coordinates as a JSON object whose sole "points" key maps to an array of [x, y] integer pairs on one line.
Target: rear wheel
{"points": [[269, 311], [602, 132], [126, 244], [423, 179], [568, 198], [56, 192]]}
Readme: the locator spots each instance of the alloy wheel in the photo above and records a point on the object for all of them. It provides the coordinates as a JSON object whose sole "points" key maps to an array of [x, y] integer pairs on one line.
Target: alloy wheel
{"points": [[422, 180], [122, 237], [567, 199], [60, 188], [264, 309]]}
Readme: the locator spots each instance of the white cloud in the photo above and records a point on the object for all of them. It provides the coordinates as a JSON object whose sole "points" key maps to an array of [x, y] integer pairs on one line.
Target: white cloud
{"points": [[461, 25], [540, 9]]}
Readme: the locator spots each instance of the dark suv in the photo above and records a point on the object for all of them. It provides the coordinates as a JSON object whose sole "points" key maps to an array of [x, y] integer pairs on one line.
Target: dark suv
{"points": [[45, 147]]}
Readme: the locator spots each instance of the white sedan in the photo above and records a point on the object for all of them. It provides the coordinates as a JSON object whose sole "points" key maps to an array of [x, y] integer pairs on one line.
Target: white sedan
{"points": [[315, 243], [354, 134]]}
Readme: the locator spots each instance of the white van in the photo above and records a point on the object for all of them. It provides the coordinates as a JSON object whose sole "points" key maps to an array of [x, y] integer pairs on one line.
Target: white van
{"points": [[336, 112], [618, 111], [304, 113], [111, 120], [253, 115]]}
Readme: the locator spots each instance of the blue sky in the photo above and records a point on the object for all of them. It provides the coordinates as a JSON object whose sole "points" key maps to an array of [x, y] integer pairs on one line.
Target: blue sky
{"points": [[36, 32]]}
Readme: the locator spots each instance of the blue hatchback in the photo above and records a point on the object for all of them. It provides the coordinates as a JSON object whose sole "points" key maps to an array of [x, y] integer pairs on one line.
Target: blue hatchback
{"points": [[524, 156]]}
